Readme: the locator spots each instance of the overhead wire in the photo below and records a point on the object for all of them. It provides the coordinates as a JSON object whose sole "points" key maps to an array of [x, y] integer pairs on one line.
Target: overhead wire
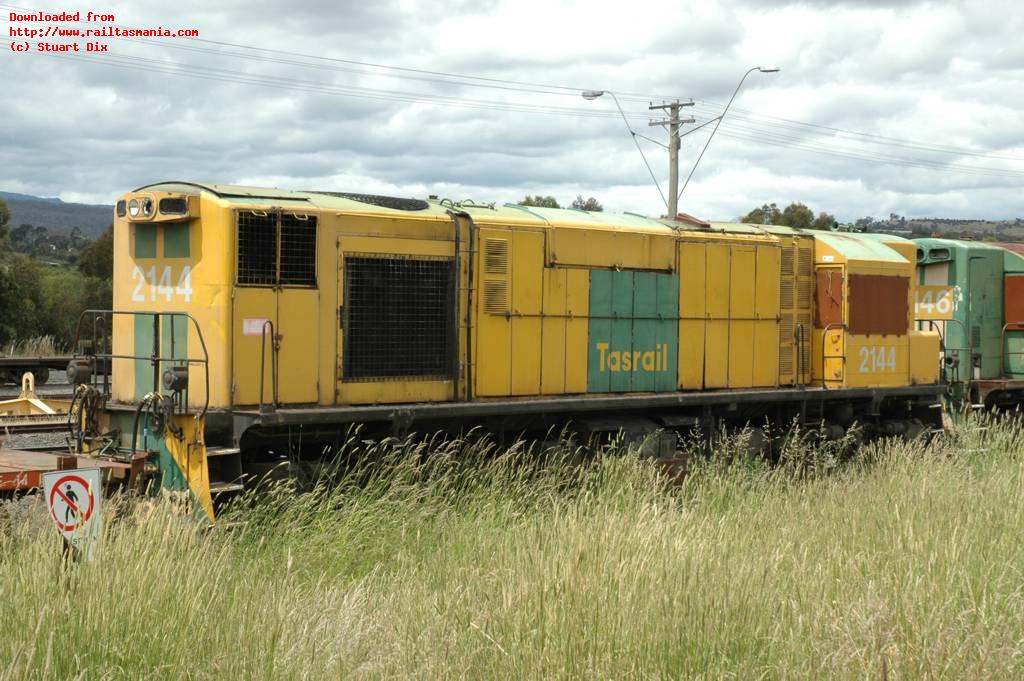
{"points": [[224, 75], [759, 124], [730, 129], [256, 53], [738, 132], [870, 138]]}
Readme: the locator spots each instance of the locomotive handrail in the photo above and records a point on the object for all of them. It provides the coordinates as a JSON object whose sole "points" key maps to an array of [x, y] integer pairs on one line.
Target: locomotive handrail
{"points": [[933, 325], [1002, 345], [155, 359], [969, 347], [801, 370], [275, 403], [825, 357]]}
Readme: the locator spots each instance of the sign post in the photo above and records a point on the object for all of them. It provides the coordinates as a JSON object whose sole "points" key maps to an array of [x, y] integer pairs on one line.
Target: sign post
{"points": [[74, 498]]}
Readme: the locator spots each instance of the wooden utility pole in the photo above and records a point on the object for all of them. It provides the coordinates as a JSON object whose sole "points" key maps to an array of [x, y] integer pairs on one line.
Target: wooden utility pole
{"points": [[673, 122]]}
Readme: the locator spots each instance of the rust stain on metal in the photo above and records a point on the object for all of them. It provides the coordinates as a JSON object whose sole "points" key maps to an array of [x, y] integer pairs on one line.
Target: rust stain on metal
{"points": [[1013, 300], [828, 298], [879, 304]]}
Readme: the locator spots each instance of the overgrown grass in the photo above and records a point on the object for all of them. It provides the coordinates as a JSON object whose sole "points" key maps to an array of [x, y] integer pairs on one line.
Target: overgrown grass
{"points": [[39, 346], [905, 562]]}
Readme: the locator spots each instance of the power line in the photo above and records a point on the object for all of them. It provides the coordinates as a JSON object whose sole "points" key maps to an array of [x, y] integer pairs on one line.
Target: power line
{"points": [[743, 133], [223, 75], [255, 53], [870, 138], [460, 79], [774, 140], [768, 136]]}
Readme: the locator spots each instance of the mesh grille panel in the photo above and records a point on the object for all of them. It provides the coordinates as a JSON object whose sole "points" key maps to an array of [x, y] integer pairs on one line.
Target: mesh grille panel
{"points": [[275, 249], [399, 316], [298, 251], [384, 201], [257, 249]]}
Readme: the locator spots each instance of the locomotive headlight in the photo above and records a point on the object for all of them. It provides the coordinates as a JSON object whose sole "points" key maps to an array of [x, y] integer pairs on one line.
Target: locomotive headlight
{"points": [[133, 208], [147, 207]]}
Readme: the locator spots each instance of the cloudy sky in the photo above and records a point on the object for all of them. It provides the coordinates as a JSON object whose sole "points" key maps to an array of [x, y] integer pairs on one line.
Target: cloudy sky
{"points": [[879, 107]]}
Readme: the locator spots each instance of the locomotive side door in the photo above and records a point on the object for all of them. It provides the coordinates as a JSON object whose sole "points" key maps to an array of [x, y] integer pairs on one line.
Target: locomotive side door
{"points": [[275, 309], [830, 323]]}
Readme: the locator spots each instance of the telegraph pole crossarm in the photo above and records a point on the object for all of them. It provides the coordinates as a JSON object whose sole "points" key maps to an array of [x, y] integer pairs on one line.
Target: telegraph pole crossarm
{"points": [[673, 122]]}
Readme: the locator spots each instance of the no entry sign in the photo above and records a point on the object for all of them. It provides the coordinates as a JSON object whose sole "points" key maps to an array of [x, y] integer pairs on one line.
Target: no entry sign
{"points": [[74, 498]]}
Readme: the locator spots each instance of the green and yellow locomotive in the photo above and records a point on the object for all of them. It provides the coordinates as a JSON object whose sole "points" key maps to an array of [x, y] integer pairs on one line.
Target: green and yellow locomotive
{"points": [[251, 325]]}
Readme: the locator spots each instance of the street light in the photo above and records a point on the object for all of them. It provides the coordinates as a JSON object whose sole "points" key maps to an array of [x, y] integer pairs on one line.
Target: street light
{"points": [[591, 95], [762, 69]]}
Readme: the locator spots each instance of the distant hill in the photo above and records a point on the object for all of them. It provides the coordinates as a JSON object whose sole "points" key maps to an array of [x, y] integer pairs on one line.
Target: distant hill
{"points": [[981, 230], [56, 215], [7, 196]]}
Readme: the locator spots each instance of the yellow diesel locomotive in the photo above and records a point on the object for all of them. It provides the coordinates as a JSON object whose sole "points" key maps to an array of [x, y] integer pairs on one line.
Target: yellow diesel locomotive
{"points": [[253, 324]]}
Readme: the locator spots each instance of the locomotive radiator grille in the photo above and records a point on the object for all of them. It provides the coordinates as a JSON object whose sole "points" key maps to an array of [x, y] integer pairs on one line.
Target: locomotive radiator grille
{"points": [[398, 317]]}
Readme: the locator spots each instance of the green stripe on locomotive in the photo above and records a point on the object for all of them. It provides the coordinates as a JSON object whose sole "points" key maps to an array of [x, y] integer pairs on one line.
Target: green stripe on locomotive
{"points": [[634, 330]]}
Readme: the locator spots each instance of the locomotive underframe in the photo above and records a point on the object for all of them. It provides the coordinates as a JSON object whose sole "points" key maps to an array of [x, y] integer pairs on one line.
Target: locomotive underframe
{"points": [[878, 411]]}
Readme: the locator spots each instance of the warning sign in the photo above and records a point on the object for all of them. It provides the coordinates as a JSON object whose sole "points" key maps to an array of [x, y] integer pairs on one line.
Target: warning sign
{"points": [[74, 499], [253, 326]]}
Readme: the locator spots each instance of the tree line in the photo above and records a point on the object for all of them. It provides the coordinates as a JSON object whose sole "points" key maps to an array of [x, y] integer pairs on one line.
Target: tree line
{"points": [[794, 215], [578, 203], [48, 279]]}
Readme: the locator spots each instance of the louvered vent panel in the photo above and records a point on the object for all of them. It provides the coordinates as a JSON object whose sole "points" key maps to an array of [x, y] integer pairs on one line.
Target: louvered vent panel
{"points": [[787, 262], [496, 256], [786, 363], [786, 294], [806, 261], [803, 295], [786, 327], [496, 296]]}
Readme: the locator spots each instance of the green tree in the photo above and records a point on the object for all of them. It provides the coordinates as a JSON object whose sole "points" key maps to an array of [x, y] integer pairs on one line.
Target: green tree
{"points": [[540, 201], [21, 313], [97, 258], [65, 293], [5, 217], [768, 214], [19, 237], [797, 215], [590, 204], [825, 221]]}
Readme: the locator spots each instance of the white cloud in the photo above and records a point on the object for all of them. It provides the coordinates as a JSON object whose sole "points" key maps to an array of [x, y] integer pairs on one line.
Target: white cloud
{"points": [[931, 75]]}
